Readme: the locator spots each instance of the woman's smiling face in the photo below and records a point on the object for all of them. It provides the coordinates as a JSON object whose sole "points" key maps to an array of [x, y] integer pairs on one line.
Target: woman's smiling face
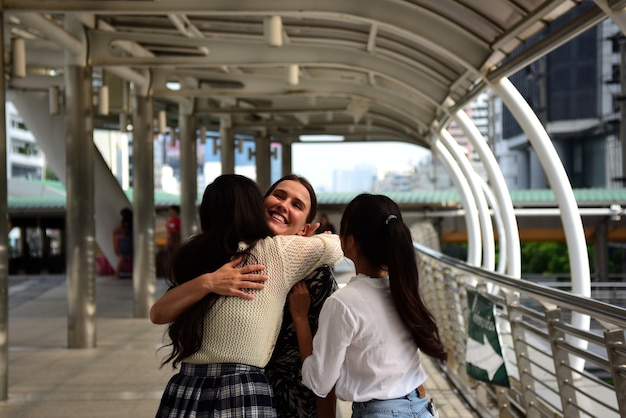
{"points": [[287, 207]]}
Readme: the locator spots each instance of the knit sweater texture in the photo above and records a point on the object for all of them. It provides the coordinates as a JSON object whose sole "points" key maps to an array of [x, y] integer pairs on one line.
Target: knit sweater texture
{"points": [[245, 331]]}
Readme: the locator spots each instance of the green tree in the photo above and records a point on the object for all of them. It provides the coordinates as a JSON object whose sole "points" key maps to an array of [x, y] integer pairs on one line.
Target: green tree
{"points": [[544, 258], [50, 175]]}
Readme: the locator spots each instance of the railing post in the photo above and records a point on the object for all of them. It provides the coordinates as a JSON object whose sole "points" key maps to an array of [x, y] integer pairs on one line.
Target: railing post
{"points": [[562, 369], [616, 350], [520, 347], [450, 318]]}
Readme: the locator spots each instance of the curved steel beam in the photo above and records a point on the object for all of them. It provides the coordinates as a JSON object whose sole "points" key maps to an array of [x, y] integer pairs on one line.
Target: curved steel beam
{"points": [[514, 265], [487, 250], [570, 215], [467, 199]]}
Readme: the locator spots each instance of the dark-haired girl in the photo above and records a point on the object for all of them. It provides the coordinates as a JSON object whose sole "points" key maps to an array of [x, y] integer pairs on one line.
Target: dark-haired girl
{"points": [[222, 344], [371, 333]]}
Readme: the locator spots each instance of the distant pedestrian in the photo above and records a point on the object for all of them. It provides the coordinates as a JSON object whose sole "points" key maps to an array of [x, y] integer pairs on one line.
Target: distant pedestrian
{"points": [[325, 225], [123, 243], [173, 232]]}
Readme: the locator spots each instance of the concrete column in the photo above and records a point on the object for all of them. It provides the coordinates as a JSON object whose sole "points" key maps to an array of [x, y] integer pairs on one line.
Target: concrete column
{"points": [[227, 147], [286, 160], [263, 165], [80, 225], [144, 270], [188, 174], [622, 105], [4, 237]]}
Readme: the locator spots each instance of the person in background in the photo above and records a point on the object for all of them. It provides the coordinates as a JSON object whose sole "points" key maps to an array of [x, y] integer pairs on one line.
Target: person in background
{"points": [[222, 344], [290, 208], [173, 232], [372, 332], [123, 243], [325, 225]]}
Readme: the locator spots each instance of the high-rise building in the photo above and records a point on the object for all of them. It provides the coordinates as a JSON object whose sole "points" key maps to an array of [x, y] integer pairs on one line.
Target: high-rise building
{"points": [[575, 92]]}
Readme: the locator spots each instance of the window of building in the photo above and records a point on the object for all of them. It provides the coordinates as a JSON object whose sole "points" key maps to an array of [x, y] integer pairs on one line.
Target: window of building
{"points": [[18, 170], [24, 148], [17, 123]]}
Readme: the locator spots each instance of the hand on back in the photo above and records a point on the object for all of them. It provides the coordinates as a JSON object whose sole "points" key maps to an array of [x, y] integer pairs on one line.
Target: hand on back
{"points": [[231, 280]]}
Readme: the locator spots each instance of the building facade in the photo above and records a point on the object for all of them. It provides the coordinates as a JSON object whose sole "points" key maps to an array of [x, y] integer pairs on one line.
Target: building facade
{"points": [[575, 91]]}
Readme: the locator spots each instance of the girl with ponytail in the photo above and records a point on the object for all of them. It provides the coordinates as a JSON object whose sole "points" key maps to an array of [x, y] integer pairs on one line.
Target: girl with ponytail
{"points": [[372, 332]]}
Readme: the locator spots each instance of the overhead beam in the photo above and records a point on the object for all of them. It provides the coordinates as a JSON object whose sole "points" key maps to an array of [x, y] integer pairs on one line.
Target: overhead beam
{"points": [[232, 53]]}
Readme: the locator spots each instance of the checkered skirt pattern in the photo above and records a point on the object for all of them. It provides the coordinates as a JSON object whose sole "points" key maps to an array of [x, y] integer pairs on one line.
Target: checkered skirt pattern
{"points": [[217, 391]]}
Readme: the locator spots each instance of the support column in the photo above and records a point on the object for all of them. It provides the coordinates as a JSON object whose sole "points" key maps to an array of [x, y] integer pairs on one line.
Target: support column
{"points": [[80, 194], [188, 174], [81, 226], [622, 105], [286, 158], [263, 165], [227, 147], [144, 271], [4, 236]]}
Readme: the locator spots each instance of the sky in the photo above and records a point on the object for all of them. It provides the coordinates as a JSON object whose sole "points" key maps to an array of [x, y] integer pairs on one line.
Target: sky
{"points": [[318, 162]]}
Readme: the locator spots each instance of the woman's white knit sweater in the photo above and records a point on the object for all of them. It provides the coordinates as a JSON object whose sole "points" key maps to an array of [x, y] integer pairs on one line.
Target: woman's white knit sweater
{"points": [[245, 331]]}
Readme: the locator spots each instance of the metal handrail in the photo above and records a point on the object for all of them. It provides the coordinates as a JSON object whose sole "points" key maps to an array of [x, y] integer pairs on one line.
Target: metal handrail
{"points": [[537, 343], [564, 299]]}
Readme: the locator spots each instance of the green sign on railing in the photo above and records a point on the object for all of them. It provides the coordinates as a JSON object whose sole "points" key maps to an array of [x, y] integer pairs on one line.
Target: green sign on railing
{"points": [[484, 353]]}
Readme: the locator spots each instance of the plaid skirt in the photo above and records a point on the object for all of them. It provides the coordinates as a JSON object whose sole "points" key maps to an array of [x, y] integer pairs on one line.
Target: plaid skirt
{"points": [[220, 390]]}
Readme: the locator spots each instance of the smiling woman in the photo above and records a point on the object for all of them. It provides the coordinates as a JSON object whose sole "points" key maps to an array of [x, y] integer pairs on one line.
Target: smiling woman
{"points": [[289, 207]]}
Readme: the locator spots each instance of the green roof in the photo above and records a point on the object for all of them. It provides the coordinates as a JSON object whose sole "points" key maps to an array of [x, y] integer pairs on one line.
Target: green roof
{"points": [[55, 199], [525, 198]]}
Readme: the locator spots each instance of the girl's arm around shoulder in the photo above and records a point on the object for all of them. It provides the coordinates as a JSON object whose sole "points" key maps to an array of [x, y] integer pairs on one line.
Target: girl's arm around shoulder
{"points": [[228, 280]]}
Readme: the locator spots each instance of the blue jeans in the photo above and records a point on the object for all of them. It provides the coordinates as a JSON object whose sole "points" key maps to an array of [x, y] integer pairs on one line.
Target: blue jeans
{"points": [[408, 406]]}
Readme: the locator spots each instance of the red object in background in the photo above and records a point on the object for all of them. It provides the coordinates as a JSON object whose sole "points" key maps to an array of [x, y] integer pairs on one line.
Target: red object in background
{"points": [[104, 268]]}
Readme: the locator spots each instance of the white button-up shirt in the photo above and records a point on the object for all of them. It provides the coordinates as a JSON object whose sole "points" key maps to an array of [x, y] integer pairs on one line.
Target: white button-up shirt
{"points": [[362, 347]]}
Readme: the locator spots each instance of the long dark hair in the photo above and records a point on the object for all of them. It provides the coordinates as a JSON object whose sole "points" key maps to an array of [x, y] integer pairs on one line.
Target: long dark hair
{"points": [[376, 224], [307, 185], [231, 212]]}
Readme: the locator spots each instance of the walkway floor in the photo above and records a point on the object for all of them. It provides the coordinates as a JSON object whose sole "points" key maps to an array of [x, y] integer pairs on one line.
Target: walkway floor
{"points": [[120, 378]]}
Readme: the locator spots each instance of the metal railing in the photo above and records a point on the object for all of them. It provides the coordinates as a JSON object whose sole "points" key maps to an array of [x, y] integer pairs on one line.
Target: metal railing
{"points": [[554, 368]]}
